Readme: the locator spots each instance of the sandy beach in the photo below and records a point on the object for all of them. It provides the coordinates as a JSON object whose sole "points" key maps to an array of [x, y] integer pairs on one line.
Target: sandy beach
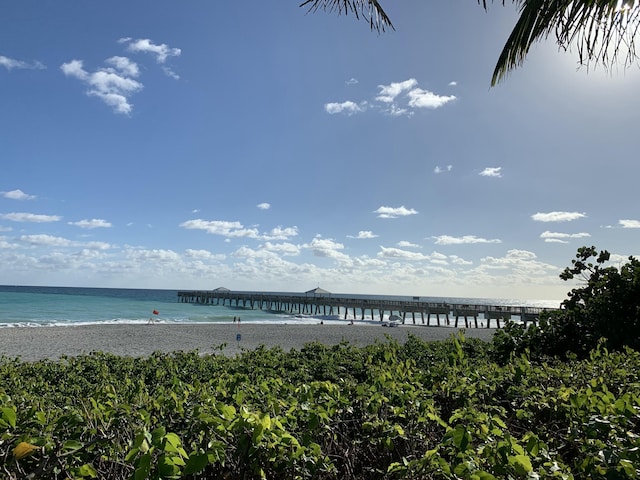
{"points": [[36, 343]]}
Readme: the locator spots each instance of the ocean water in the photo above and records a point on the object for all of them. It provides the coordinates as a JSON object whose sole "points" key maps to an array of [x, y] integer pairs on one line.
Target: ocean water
{"points": [[22, 306]]}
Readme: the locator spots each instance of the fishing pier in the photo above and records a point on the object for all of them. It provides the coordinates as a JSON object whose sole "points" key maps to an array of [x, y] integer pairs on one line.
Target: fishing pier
{"points": [[321, 303]]}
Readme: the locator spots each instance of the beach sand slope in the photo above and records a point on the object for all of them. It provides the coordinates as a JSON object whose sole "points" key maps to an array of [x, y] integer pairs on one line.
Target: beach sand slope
{"points": [[36, 343]]}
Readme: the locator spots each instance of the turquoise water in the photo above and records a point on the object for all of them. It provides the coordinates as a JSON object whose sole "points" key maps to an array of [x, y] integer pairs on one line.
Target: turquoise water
{"points": [[55, 306]]}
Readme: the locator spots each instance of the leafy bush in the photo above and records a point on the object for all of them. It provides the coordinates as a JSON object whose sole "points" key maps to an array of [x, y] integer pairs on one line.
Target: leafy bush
{"points": [[414, 410], [606, 308]]}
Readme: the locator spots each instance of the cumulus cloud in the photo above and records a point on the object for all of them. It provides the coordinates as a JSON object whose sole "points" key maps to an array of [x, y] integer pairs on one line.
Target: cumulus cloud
{"points": [[280, 233], [466, 239], [363, 234], [30, 217], [557, 216], [237, 230], [388, 93], [629, 223], [285, 248], [439, 169], [348, 108], [399, 253], [522, 264], [161, 52], [419, 98], [556, 237], [394, 212], [11, 63], [114, 84], [17, 195], [327, 248], [264, 206], [405, 244], [45, 240], [491, 172], [351, 81], [395, 99], [203, 255], [453, 84], [93, 223], [144, 45]]}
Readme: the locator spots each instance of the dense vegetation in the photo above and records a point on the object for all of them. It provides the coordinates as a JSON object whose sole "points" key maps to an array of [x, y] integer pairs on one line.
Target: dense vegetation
{"points": [[605, 308], [390, 410]]}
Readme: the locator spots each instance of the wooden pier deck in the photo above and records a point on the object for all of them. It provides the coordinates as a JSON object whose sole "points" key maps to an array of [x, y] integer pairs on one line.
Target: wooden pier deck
{"points": [[365, 307]]}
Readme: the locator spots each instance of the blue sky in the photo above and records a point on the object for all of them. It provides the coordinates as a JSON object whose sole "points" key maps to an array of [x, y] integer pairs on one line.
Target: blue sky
{"points": [[197, 144]]}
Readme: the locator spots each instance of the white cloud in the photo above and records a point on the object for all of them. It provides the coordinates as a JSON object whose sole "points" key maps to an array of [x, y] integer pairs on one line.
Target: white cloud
{"points": [[555, 240], [287, 249], [169, 72], [402, 254], [11, 63], [327, 248], [93, 223], [520, 266], [491, 172], [203, 255], [388, 93], [363, 234], [144, 45], [466, 239], [215, 227], [264, 206], [113, 85], [394, 212], [30, 217], [389, 97], [456, 260], [419, 98], [280, 233], [237, 230], [124, 66], [453, 84], [351, 81], [556, 237], [347, 107], [45, 240], [557, 216], [439, 170], [17, 195], [629, 223], [405, 244]]}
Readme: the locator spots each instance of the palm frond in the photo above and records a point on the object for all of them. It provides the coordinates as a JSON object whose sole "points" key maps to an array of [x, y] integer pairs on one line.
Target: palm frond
{"points": [[370, 10], [601, 31]]}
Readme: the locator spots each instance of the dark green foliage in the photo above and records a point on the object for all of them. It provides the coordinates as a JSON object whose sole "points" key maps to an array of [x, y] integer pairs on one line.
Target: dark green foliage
{"points": [[605, 308], [414, 410]]}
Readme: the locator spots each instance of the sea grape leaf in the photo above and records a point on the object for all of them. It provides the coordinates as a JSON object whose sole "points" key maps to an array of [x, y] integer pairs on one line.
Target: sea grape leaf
{"points": [[522, 464], [461, 437], [196, 464], [9, 416]]}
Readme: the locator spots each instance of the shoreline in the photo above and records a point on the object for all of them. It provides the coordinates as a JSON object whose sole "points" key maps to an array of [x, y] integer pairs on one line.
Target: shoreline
{"points": [[135, 340]]}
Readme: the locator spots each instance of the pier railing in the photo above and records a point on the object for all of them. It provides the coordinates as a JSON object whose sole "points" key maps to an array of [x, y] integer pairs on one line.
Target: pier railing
{"points": [[342, 305]]}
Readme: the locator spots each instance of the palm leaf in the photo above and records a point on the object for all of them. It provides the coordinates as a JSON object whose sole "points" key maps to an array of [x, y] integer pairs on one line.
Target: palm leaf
{"points": [[370, 10], [601, 30]]}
